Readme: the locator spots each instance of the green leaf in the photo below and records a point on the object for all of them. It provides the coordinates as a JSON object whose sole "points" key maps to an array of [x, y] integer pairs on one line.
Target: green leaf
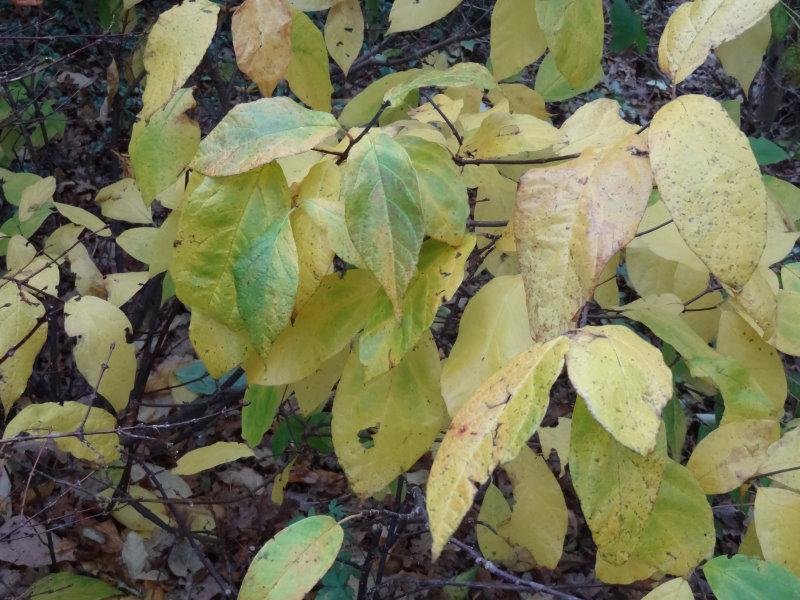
{"points": [[382, 426], [460, 75], [308, 74], [69, 586], [261, 404], [554, 87], [617, 487], [208, 457], [674, 416], [252, 134], [383, 211], [219, 221], [627, 28], [574, 33], [362, 107], [266, 275], [738, 577], [162, 146], [292, 562], [442, 192], [766, 151]]}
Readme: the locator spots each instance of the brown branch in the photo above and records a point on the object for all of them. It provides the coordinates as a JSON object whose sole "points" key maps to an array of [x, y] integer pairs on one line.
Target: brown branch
{"points": [[447, 120], [461, 161], [373, 121]]}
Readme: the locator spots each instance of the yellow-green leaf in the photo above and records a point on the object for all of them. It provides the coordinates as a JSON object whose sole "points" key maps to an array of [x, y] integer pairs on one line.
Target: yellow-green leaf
{"points": [[407, 15], [84, 218], [383, 211], [175, 47], [221, 218], [361, 108], [674, 589], [777, 518], [308, 74], [492, 330], [554, 87], [344, 32], [710, 182], [292, 562], [314, 391], [36, 196], [208, 457], [503, 134], [570, 220], [515, 38], [784, 455], [495, 510], [731, 454], [623, 380], [574, 33], [53, 418], [162, 146], [69, 586], [123, 201], [742, 56], [218, 346], [617, 487], [488, 430], [262, 41], [255, 133], [382, 426], [696, 28], [460, 75], [152, 245], [102, 352]]}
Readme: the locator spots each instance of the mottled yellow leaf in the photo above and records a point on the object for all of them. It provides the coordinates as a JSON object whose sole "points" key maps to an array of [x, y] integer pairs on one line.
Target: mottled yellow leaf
{"points": [[515, 39], [731, 454], [208, 457], [777, 518], [175, 46], [308, 74], [596, 123], [569, 222], [711, 184], [488, 430], [344, 32], [262, 41], [503, 134]]}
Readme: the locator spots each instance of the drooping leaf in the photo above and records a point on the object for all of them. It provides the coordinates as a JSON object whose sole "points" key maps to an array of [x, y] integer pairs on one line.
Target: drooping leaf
{"points": [[254, 133], [492, 330], [99, 444], [84, 218], [460, 75], [69, 586], [313, 391], [623, 380], [408, 15], [515, 39], [777, 518], [698, 27], [308, 74], [731, 454], [344, 32], [175, 47], [627, 28], [162, 146], [570, 220], [742, 56], [382, 426], [262, 41], [617, 487], [383, 211], [102, 352], [208, 457], [386, 339], [266, 276], [737, 577], [292, 562], [314, 252], [711, 184], [488, 430], [574, 33], [219, 221]]}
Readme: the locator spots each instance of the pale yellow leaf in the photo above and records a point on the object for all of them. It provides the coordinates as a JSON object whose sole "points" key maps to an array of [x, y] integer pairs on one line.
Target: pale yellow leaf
{"points": [[596, 123], [314, 253], [208, 457], [121, 287], [784, 454], [777, 518], [503, 134], [36, 196], [84, 218], [407, 15], [123, 201], [521, 99], [344, 32], [152, 245], [495, 510], [674, 589], [262, 41], [557, 438], [314, 391]]}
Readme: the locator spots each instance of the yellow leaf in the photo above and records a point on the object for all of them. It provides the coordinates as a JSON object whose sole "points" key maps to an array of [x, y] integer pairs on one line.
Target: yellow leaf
{"points": [[220, 347], [569, 222], [557, 438], [503, 134], [538, 521], [757, 301], [175, 47], [344, 32], [787, 333], [407, 15], [382, 426], [742, 56], [262, 41], [521, 99], [515, 39], [102, 352], [596, 123], [308, 75], [696, 28], [314, 254], [784, 454], [84, 218], [606, 294], [710, 182], [492, 330], [494, 547], [63, 243], [731, 454], [465, 74], [123, 201], [617, 487], [488, 430], [574, 33], [208, 457], [152, 245], [121, 287], [314, 391], [36, 196], [279, 483], [129, 517], [674, 589], [53, 418], [749, 545], [777, 518], [311, 5]]}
